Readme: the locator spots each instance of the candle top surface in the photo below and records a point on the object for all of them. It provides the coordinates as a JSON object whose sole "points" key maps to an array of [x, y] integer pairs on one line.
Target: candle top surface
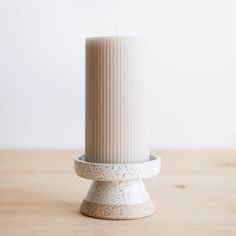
{"points": [[115, 38]]}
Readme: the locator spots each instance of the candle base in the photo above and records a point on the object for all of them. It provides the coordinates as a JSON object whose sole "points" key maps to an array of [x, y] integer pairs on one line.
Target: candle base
{"points": [[117, 191]]}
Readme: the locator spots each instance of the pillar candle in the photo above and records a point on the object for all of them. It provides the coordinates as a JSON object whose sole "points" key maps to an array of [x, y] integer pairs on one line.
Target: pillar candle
{"points": [[116, 100]]}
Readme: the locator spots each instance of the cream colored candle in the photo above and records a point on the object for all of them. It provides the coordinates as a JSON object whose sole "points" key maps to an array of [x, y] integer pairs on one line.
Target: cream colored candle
{"points": [[116, 104]]}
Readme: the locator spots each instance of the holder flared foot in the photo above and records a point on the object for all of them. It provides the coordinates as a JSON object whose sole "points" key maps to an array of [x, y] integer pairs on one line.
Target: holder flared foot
{"points": [[117, 212], [117, 200]]}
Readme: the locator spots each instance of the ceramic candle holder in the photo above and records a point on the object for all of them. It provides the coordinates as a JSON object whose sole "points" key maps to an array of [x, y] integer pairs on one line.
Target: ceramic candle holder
{"points": [[117, 191]]}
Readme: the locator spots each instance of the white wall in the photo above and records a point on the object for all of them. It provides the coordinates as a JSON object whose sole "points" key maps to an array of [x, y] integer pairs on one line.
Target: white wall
{"points": [[192, 76]]}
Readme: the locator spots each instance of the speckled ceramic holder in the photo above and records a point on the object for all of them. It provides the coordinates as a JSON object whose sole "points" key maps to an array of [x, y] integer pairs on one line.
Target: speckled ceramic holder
{"points": [[117, 191]]}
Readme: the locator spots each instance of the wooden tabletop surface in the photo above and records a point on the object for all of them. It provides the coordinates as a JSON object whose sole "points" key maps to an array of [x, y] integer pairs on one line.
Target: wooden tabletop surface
{"points": [[195, 194]]}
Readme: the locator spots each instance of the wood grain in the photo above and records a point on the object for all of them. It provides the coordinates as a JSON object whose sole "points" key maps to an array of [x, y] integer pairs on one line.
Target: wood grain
{"points": [[40, 195]]}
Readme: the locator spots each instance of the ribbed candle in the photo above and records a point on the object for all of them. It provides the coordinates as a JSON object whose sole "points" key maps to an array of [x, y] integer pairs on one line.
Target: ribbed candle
{"points": [[116, 104]]}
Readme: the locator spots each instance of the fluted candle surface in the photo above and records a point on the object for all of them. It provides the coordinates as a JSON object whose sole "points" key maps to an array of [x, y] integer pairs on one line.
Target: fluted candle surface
{"points": [[116, 100]]}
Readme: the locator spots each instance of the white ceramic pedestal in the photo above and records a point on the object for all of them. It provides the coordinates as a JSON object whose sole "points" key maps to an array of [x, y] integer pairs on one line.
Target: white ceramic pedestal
{"points": [[117, 191]]}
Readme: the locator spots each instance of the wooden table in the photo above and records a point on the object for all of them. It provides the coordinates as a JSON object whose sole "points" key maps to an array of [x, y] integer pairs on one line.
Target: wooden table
{"points": [[40, 195]]}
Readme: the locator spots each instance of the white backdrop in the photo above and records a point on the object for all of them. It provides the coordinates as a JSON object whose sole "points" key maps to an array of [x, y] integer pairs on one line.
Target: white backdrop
{"points": [[192, 69]]}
